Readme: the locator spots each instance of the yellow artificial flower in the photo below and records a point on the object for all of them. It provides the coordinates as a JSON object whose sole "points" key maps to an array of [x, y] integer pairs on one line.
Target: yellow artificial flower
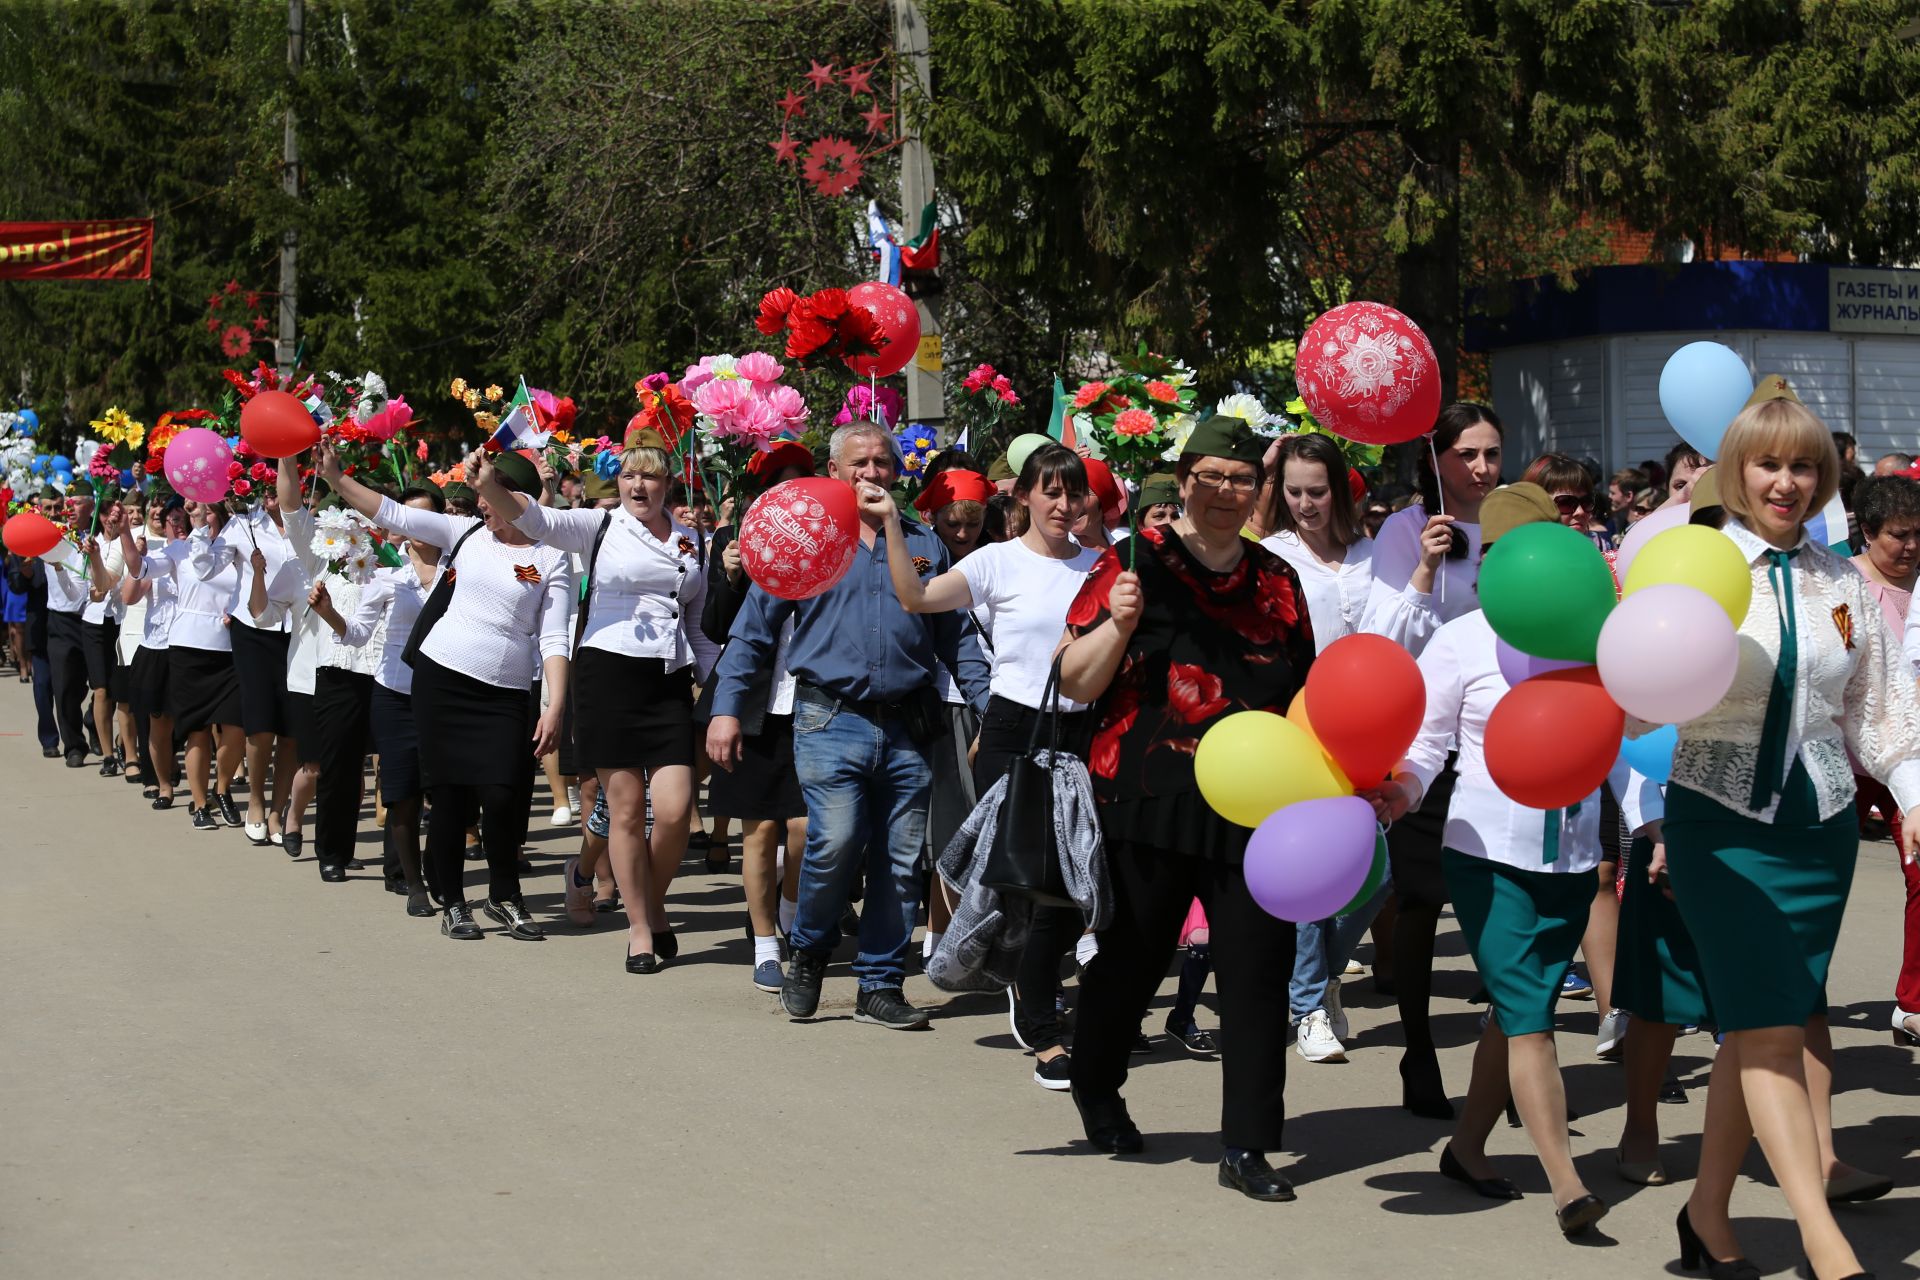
{"points": [[459, 388], [487, 422], [472, 398], [494, 392], [116, 426]]}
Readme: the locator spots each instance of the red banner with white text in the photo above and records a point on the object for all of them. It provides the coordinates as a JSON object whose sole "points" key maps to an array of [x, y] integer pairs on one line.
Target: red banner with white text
{"points": [[121, 249]]}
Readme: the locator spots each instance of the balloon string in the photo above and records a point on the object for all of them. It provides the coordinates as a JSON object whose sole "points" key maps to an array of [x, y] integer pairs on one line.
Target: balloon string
{"points": [[1440, 497]]}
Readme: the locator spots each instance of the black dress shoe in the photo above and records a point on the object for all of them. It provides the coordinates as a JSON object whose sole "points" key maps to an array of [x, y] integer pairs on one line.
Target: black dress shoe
{"points": [[1577, 1215], [51, 753], [1249, 1173], [397, 887], [163, 802], [1693, 1254], [645, 962], [665, 945], [290, 844], [354, 864], [1108, 1126], [418, 905], [76, 759], [333, 874], [1491, 1188]]}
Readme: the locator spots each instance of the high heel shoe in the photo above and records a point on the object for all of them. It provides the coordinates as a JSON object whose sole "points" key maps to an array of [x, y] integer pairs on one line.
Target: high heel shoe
{"points": [[1491, 1188], [1426, 1096], [1693, 1254]]}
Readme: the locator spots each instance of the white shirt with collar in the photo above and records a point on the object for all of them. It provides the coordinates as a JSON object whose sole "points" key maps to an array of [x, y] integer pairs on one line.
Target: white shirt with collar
{"points": [[236, 542], [1852, 690], [202, 605], [389, 606], [66, 578], [110, 606], [1464, 685], [1337, 595]]}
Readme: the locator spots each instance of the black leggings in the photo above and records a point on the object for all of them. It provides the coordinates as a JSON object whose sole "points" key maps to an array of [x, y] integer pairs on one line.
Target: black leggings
{"points": [[1413, 846], [502, 808], [1004, 733]]}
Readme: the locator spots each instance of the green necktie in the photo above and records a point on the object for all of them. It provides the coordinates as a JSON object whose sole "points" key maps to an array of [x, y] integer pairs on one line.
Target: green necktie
{"points": [[1550, 843], [1770, 770]]}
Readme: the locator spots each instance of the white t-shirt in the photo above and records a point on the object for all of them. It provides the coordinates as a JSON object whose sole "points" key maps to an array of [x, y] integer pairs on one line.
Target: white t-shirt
{"points": [[1021, 598]]}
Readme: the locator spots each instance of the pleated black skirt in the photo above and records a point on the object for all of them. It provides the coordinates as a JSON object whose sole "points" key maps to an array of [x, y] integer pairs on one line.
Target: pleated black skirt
{"points": [[202, 689]]}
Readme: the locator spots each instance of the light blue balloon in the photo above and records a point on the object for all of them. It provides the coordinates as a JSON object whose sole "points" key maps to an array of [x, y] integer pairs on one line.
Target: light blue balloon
{"points": [[31, 418], [1702, 388], [126, 477], [62, 463], [1651, 754]]}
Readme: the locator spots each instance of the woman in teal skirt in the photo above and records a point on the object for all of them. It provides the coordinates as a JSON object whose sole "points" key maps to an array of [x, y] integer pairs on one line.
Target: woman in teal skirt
{"points": [[1760, 829], [1521, 881]]}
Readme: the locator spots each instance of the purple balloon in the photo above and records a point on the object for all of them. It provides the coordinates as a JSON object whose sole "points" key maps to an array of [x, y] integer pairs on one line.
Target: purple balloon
{"points": [[1308, 860], [1517, 666]]}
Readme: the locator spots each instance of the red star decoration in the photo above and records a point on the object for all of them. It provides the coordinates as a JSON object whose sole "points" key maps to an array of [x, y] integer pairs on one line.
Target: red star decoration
{"points": [[792, 105], [822, 76], [876, 118], [785, 150], [259, 324], [858, 80]]}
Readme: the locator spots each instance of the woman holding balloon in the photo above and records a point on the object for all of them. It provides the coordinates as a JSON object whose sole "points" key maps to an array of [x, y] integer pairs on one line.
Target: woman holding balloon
{"points": [[1760, 830], [1521, 879], [1206, 624]]}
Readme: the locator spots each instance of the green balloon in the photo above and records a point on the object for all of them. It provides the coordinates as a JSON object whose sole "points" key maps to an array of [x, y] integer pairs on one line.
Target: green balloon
{"points": [[1375, 875], [1547, 591]]}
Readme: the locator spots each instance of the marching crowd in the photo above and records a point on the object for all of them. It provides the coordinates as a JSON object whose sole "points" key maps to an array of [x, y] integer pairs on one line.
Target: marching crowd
{"points": [[857, 737]]}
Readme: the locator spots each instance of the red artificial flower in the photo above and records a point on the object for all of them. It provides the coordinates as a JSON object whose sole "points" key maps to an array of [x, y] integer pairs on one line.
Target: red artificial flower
{"points": [[155, 462], [1008, 397], [828, 304], [420, 451], [242, 487], [1088, 394], [859, 332], [259, 471], [235, 341], [806, 337], [1164, 392], [773, 310], [243, 450], [1135, 422], [1194, 693], [246, 389], [1001, 384], [235, 471]]}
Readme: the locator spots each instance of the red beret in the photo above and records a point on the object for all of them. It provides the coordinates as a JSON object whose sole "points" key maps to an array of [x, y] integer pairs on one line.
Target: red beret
{"points": [[784, 454]]}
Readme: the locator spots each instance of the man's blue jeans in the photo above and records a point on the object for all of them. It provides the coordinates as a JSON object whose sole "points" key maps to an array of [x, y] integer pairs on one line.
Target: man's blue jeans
{"points": [[1322, 949], [866, 786]]}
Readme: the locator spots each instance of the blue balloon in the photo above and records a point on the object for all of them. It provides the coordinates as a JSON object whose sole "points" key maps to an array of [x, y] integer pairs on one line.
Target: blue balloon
{"points": [[39, 464], [1702, 389], [31, 418], [62, 463], [1651, 754], [126, 477]]}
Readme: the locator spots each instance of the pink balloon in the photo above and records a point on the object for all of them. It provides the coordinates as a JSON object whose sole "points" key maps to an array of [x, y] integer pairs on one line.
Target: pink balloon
{"points": [[1637, 537], [1308, 860], [196, 464], [1517, 666], [1668, 654]]}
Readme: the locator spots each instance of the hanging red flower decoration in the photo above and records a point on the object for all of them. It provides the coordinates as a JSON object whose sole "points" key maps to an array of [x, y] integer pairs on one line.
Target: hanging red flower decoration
{"points": [[833, 166]]}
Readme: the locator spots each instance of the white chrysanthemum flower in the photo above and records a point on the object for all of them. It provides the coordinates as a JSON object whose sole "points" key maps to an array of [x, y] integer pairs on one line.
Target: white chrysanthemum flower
{"points": [[722, 367], [1250, 411], [1179, 427]]}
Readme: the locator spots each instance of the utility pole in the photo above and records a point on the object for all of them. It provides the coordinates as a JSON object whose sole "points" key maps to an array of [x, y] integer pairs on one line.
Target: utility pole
{"points": [[926, 379], [288, 343]]}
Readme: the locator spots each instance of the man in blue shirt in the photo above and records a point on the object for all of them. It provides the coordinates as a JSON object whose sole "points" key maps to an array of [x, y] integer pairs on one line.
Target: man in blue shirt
{"points": [[863, 718]]}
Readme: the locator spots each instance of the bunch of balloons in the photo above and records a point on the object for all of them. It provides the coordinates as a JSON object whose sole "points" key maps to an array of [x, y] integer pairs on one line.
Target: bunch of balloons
{"points": [[1316, 850], [1581, 658]]}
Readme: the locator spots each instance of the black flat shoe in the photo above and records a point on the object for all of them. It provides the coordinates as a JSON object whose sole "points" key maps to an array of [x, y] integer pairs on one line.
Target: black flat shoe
{"points": [[1491, 1188], [606, 906], [665, 945], [1108, 1126], [151, 793], [645, 962], [1575, 1216], [1693, 1255], [162, 802], [290, 844], [418, 904], [1249, 1173], [50, 753], [333, 875], [110, 768]]}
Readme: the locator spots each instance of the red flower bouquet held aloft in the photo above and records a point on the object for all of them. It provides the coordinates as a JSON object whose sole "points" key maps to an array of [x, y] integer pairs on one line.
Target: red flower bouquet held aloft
{"points": [[820, 329]]}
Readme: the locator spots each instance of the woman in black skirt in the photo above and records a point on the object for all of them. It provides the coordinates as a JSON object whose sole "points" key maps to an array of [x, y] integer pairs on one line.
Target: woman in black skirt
{"points": [[506, 620], [636, 656], [203, 692], [389, 606], [761, 790], [152, 661]]}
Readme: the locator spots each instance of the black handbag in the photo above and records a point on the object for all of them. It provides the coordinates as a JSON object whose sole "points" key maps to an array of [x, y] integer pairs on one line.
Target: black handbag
{"points": [[1024, 860], [436, 602]]}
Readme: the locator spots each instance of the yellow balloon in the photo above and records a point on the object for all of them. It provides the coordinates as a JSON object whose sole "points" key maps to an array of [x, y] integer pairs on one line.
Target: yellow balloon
{"points": [[1699, 557], [1254, 763]]}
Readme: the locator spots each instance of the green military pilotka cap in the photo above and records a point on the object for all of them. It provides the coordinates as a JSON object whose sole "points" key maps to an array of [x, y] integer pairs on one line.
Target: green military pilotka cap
{"points": [[1157, 489], [595, 486], [517, 472], [457, 491], [1222, 436], [1513, 505], [1000, 469]]}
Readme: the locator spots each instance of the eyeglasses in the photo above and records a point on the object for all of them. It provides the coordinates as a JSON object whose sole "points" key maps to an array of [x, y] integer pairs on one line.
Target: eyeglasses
{"points": [[1218, 480], [1572, 502]]}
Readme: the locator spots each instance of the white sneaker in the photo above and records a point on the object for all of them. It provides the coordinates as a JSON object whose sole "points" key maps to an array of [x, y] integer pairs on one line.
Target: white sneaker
{"points": [[563, 816], [573, 798], [1354, 969], [1336, 1016], [1613, 1034], [1316, 1039]]}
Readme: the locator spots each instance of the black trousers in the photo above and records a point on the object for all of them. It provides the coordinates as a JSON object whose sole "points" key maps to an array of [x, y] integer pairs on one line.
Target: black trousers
{"points": [[1252, 965], [66, 655], [502, 808], [1004, 733], [1413, 852], [43, 700], [341, 718]]}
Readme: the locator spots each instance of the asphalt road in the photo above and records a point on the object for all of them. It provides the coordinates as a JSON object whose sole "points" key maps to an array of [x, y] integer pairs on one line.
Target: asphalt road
{"points": [[213, 1064]]}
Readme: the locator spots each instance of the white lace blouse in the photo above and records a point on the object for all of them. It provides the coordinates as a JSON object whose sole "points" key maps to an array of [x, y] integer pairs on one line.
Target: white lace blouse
{"points": [[1851, 689]]}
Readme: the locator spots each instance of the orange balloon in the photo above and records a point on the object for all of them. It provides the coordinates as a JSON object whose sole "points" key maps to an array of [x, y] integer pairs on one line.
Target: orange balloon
{"points": [[1553, 739], [1297, 712]]}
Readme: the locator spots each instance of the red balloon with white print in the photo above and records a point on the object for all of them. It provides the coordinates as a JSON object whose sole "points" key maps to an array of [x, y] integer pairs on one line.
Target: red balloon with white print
{"points": [[899, 325], [1368, 373], [799, 538]]}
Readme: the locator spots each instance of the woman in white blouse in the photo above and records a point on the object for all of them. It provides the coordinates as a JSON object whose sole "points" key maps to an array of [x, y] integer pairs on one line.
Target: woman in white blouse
{"points": [[1318, 532], [505, 624], [166, 523], [1522, 884], [637, 654], [389, 606], [203, 691], [1426, 567], [1760, 828]]}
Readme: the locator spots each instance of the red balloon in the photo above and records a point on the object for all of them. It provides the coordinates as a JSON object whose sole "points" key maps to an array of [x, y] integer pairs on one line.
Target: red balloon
{"points": [[278, 425], [1369, 374], [799, 537], [1366, 699], [899, 324], [30, 534], [1553, 739]]}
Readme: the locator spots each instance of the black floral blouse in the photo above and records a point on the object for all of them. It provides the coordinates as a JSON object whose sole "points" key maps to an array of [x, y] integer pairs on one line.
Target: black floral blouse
{"points": [[1208, 644]]}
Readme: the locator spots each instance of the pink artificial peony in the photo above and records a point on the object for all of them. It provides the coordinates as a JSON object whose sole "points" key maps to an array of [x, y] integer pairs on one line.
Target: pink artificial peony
{"points": [[754, 422], [790, 405], [759, 368], [390, 421], [718, 398]]}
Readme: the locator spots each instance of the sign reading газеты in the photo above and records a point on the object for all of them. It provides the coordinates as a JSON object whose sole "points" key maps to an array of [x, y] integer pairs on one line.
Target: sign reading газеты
{"points": [[1873, 300]]}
